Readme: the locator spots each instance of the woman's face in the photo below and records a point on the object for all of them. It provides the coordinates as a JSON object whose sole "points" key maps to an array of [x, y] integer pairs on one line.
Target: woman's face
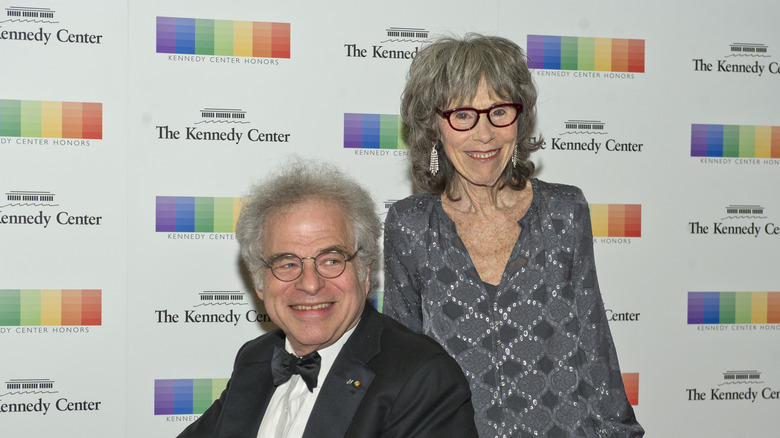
{"points": [[481, 154]]}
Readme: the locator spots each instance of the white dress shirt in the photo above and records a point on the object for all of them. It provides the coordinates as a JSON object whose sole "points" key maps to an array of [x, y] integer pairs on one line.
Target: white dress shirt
{"points": [[291, 404]]}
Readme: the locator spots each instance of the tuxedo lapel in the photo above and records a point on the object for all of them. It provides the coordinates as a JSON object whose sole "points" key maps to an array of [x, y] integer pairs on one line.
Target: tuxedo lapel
{"points": [[251, 390], [347, 382]]}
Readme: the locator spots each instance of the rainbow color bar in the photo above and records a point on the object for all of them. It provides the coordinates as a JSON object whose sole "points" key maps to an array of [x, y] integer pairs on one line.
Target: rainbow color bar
{"points": [[186, 396], [58, 307], [378, 300], [45, 119], [187, 214], [631, 384], [733, 307], [741, 141], [373, 131], [196, 36], [616, 220], [585, 53]]}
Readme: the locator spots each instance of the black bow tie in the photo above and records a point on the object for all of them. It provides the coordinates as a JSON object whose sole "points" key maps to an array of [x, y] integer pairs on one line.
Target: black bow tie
{"points": [[284, 365]]}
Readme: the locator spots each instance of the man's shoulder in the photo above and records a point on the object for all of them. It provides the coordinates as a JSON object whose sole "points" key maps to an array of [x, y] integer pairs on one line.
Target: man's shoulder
{"points": [[257, 348], [415, 347]]}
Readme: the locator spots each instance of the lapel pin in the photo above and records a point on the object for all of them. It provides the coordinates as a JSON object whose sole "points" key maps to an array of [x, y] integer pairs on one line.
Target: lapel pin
{"points": [[355, 383]]}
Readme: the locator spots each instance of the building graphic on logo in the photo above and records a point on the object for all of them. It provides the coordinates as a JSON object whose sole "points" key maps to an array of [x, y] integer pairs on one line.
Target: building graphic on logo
{"points": [[373, 131], [616, 220], [35, 15], [28, 386], [29, 199], [63, 307], [405, 35], [746, 49], [186, 396], [585, 53], [221, 298], [46, 119], [744, 211], [223, 37], [399, 43], [189, 214], [741, 377], [733, 307], [222, 115], [213, 307], [595, 127], [741, 141]]}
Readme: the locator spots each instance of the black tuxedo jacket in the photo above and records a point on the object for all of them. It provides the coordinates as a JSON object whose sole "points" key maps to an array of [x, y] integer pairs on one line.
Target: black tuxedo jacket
{"points": [[409, 387]]}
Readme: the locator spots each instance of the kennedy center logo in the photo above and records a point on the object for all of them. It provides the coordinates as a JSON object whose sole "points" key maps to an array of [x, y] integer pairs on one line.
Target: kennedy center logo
{"points": [[590, 136], [196, 214], [740, 59], [746, 220], [585, 56], [397, 43], [33, 25], [24, 308], [44, 120], [744, 144], [225, 307], [35, 396], [616, 223], [220, 125], [748, 386], [33, 208], [186, 396], [374, 134], [734, 308], [195, 39]]}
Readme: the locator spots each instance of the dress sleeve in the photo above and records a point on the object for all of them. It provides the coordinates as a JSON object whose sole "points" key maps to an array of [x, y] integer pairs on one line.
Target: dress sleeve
{"points": [[601, 382], [402, 297]]}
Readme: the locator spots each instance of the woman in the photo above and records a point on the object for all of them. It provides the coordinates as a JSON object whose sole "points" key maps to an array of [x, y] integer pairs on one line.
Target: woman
{"points": [[495, 265]]}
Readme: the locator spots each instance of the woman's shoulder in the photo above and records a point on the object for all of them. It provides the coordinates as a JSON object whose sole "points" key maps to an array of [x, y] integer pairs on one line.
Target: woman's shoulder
{"points": [[413, 213], [554, 193], [420, 203]]}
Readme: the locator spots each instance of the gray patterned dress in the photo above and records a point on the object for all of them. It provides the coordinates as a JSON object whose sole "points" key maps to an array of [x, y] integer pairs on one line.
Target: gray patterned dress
{"points": [[537, 351]]}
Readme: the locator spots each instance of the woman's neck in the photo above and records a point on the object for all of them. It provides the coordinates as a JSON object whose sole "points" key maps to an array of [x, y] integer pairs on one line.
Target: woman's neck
{"points": [[476, 199]]}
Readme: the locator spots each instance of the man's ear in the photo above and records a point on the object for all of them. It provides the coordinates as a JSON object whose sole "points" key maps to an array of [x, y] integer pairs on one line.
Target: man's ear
{"points": [[259, 293], [367, 281]]}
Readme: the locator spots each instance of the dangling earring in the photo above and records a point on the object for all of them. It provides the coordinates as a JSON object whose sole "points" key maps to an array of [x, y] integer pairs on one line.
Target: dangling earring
{"points": [[514, 157], [434, 166]]}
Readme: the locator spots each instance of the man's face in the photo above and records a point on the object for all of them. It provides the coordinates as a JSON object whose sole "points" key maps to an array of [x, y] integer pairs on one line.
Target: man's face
{"points": [[313, 311]]}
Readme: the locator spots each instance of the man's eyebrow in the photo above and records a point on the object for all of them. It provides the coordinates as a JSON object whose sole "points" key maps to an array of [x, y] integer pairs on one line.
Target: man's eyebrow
{"points": [[338, 248], [273, 257]]}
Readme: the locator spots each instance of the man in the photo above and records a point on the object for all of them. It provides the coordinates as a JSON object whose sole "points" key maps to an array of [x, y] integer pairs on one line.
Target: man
{"points": [[310, 238]]}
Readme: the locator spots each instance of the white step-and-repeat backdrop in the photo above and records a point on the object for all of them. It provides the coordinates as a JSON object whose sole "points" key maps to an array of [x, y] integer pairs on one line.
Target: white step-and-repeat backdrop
{"points": [[130, 131]]}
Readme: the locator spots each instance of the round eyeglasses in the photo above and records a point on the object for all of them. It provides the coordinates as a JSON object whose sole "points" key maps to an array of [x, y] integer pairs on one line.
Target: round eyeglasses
{"points": [[465, 119], [328, 264]]}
